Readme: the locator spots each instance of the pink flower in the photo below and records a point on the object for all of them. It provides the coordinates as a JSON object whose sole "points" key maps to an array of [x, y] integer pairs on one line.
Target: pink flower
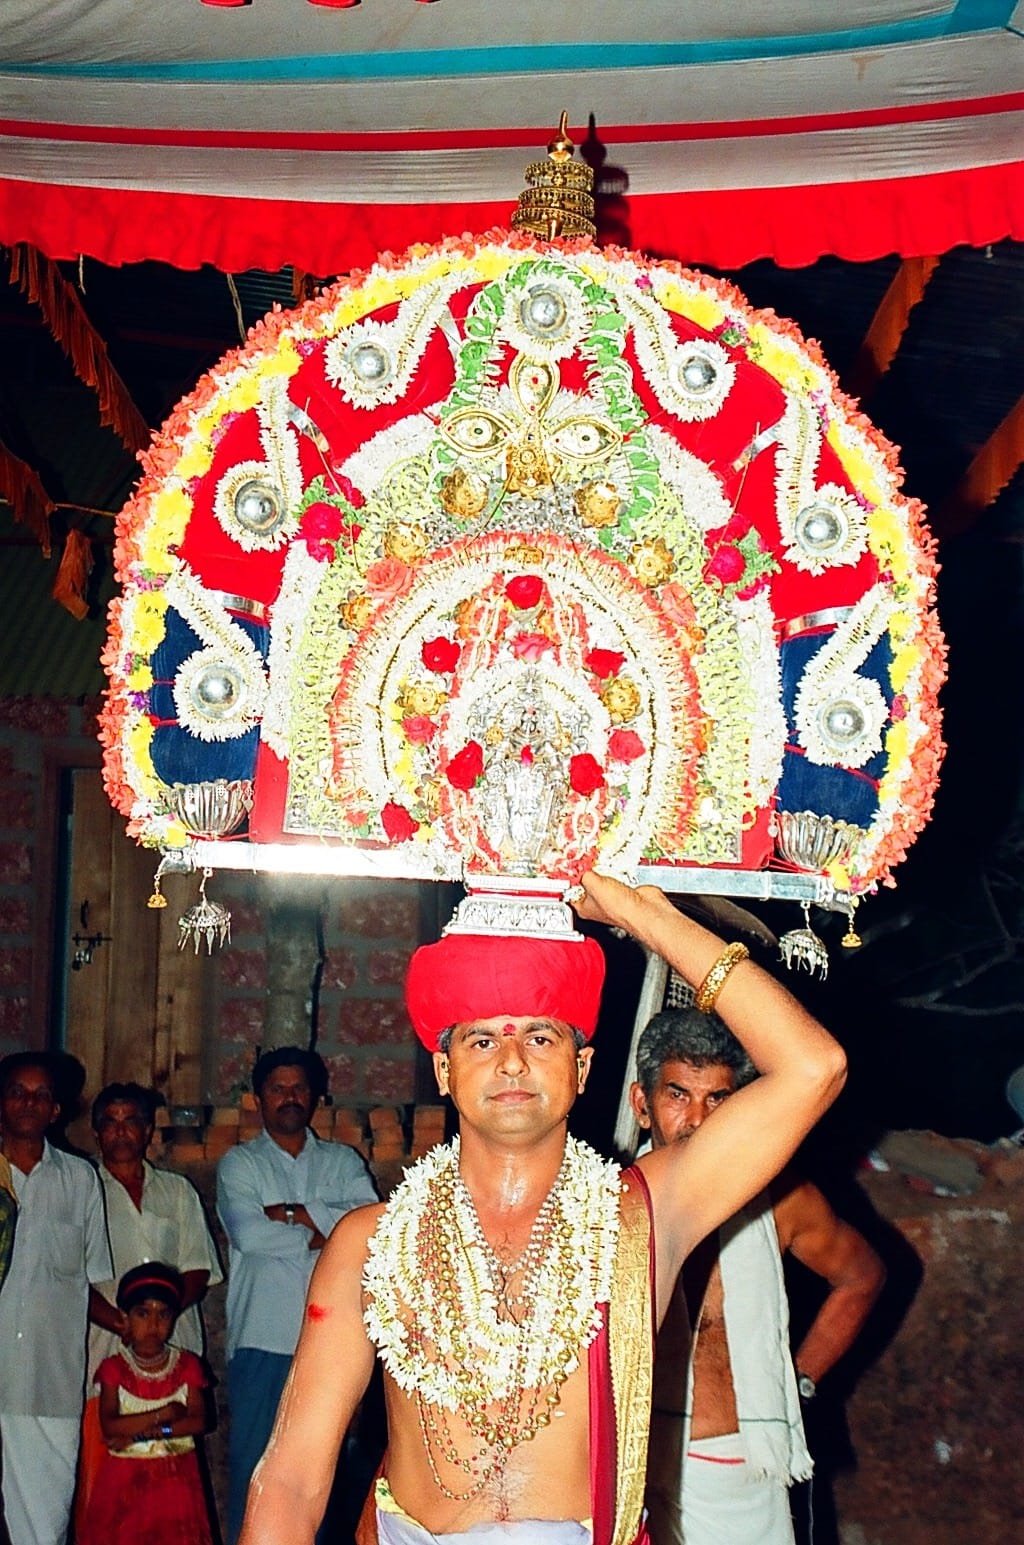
{"points": [[356, 817], [466, 767], [585, 774], [524, 591], [625, 746], [398, 823], [440, 654], [604, 662], [530, 646], [726, 564], [419, 729], [320, 552], [388, 578]]}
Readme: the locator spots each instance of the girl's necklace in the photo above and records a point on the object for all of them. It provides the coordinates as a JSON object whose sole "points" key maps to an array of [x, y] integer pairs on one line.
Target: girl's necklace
{"points": [[152, 1367]]}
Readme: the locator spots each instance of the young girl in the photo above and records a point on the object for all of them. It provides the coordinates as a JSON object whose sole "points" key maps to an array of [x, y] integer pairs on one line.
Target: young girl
{"points": [[148, 1490]]}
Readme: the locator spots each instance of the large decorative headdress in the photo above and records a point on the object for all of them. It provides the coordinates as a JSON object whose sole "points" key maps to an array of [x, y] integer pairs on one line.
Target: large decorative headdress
{"points": [[514, 555]]}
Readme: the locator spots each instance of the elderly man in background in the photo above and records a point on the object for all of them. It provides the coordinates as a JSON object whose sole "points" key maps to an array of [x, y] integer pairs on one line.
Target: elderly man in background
{"points": [[278, 1198], [727, 1436], [152, 1215], [60, 1250]]}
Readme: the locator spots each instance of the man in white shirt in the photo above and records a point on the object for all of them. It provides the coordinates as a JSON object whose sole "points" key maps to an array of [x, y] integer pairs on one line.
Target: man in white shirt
{"points": [[152, 1215], [278, 1198], [60, 1249]]}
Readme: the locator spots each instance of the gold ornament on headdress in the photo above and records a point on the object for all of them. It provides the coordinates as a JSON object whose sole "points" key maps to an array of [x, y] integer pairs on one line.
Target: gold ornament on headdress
{"points": [[559, 200]]}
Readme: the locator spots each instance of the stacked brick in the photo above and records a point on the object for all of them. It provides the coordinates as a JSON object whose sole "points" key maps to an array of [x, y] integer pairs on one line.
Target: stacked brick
{"points": [[388, 1136]]}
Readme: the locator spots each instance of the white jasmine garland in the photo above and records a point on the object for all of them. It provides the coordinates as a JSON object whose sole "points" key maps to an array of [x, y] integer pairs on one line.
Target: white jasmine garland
{"points": [[449, 1343]]}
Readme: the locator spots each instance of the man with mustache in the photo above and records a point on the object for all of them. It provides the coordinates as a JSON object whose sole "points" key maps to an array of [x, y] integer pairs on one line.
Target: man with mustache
{"points": [[509, 1286], [727, 1436], [278, 1198]]}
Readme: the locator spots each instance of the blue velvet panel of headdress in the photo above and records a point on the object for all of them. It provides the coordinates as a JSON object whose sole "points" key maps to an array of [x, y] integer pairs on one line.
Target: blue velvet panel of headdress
{"points": [[846, 794], [179, 756]]}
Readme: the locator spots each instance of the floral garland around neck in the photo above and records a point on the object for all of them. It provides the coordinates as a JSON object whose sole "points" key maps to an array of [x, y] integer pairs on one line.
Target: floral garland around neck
{"points": [[450, 1329]]}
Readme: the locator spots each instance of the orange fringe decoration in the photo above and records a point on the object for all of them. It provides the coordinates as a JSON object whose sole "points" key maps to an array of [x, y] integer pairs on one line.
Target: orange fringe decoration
{"points": [[24, 492], [986, 477], [76, 565], [43, 283]]}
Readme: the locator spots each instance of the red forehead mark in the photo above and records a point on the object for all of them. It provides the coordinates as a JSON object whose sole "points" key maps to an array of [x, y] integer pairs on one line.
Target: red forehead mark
{"points": [[508, 1029], [317, 1312]]}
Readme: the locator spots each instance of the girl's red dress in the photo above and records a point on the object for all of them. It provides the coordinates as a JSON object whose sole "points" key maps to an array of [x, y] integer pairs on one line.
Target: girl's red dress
{"points": [[151, 1493]]}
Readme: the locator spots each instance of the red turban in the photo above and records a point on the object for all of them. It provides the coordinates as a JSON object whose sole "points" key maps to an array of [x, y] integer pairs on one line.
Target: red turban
{"points": [[477, 976]]}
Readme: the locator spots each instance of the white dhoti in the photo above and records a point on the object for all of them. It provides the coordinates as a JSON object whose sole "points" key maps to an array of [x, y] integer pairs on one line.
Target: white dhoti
{"points": [[39, 1455], [724, 1504], [396, 1527]]}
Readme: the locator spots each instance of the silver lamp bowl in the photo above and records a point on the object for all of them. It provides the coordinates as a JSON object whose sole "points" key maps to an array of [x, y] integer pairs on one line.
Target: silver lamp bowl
{"points": [[814, 841], [213, 809]]}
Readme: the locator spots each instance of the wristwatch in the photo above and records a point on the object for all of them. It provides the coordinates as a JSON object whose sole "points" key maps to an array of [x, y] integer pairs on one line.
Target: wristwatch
{"points": [[289, 1213], [805, 1386]]}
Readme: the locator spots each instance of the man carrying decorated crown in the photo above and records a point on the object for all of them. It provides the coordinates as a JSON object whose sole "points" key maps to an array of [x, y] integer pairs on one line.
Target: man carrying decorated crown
{"points": [[513, 1283]]}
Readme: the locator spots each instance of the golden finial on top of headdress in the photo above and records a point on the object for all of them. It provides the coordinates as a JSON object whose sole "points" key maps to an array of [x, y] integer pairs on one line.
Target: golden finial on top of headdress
{"points": [[558, 199]]}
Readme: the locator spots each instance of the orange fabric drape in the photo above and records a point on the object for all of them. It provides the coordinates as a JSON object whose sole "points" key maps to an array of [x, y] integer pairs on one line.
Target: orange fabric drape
{"points": [[24, 492], [43, 283]]}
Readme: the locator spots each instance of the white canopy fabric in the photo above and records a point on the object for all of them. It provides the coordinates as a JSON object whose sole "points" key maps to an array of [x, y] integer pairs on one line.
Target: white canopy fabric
{"points": [[289, 132]]}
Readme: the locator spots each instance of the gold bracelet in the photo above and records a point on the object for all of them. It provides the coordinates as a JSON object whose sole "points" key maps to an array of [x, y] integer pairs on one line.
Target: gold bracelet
{"points": [[705, 997]]}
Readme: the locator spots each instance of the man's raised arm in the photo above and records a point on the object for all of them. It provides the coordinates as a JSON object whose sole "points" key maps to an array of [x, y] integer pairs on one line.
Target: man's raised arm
{"points": [[698, 1185], [332, 1366]]}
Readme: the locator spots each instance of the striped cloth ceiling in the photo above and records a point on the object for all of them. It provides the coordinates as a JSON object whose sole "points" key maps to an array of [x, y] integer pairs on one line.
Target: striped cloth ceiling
{"points": [[284, 132]]}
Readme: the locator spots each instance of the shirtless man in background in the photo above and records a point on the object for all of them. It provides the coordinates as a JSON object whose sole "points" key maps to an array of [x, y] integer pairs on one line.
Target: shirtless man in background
{"points": [[727, 1437]]}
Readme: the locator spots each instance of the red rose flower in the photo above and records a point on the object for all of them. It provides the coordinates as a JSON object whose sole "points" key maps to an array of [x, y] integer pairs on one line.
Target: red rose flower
{"points": [[320, 552], [530, 646], [735, 528], [585, 774], [465, 767], [625, 746], [440, 654], [322, 522], [398, 823], [524, 591], [419, 729], [526, 756], [604, 662], [726, 564], [348, 490]]}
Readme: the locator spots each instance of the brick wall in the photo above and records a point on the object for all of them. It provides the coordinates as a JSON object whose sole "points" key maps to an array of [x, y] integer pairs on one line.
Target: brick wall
{"points": [[368, 930], [37, 737]]}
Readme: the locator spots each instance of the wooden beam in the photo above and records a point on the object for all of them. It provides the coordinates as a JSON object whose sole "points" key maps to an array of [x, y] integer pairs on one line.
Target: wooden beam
{"points": [[889, 323], [985, 478]]}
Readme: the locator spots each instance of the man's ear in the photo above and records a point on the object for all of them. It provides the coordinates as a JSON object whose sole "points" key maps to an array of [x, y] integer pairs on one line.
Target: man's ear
{"points": [[441, 1071], [638, 1100]]}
